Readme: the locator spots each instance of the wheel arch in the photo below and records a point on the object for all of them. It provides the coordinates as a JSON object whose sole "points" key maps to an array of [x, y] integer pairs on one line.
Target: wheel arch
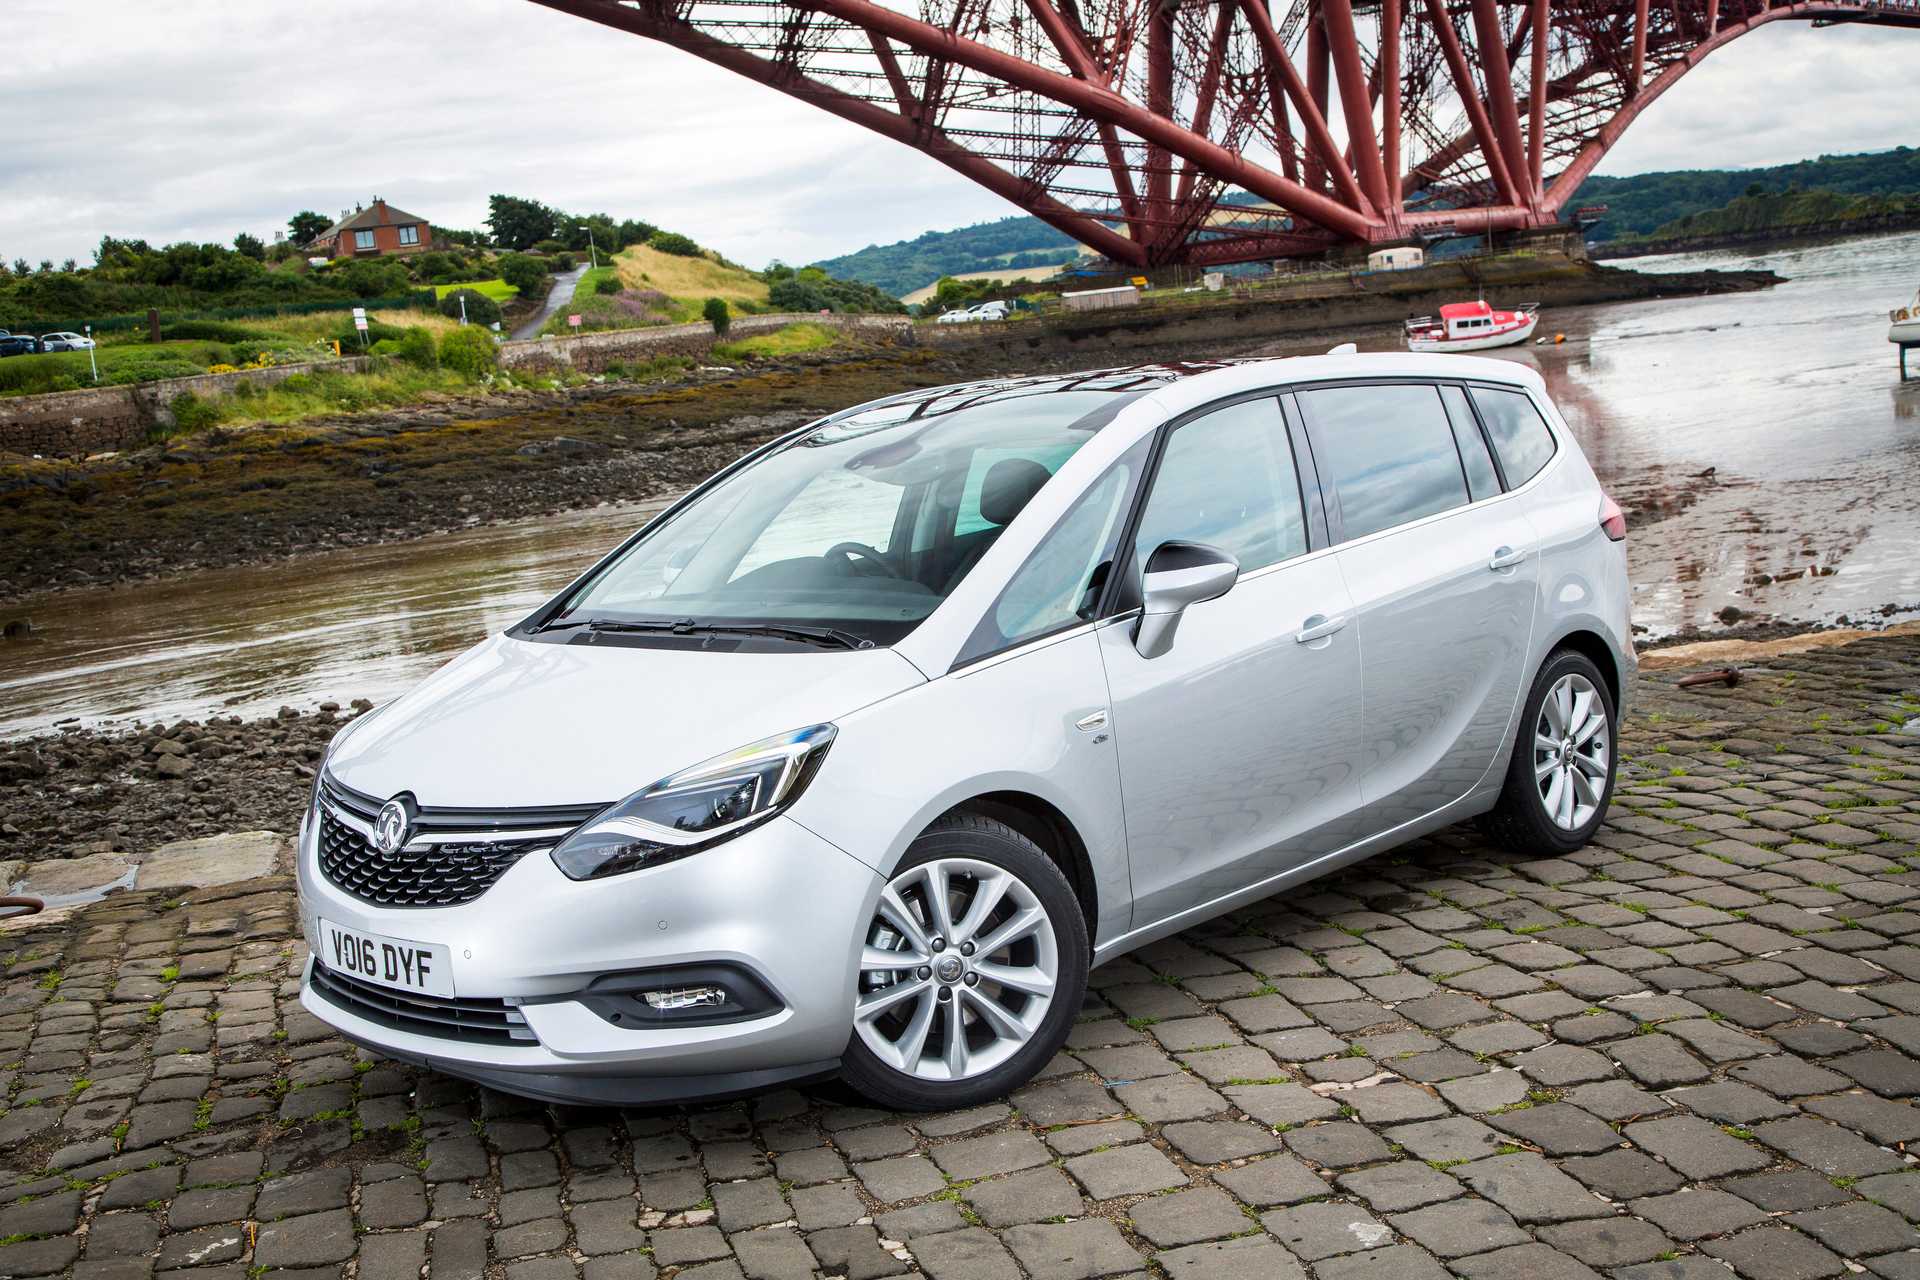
{"points": [[1592, 646], [1044, 824]]}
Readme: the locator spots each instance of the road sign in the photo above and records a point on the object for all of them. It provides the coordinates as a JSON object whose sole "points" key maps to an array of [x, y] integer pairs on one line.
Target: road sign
{"points": [[573, 321]]}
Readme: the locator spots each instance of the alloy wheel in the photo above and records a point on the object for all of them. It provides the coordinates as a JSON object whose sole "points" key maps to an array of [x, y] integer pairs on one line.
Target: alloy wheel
{"points": [[1572, 752], [958, 971]]}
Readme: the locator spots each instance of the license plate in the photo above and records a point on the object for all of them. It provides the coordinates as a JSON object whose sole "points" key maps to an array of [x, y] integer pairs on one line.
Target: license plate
{"points": [[424, 967]]}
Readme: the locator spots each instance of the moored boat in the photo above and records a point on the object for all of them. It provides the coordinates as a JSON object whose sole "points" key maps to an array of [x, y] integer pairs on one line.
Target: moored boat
{"points": [[1904, 325], [1472, 326]]}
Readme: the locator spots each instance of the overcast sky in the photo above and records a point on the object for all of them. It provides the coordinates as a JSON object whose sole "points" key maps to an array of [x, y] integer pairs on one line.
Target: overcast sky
{"points": [[197, 119]]}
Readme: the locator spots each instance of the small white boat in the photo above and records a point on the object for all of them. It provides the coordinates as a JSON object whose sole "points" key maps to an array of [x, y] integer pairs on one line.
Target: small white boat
{"points": [[1472, 326], [1904, 324]]}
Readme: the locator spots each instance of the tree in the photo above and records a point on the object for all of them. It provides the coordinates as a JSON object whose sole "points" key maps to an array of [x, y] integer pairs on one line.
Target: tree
{"points": [[517, 223], [251, 246], [21, 267], [522, 272], [718, 315], [306, 226]]}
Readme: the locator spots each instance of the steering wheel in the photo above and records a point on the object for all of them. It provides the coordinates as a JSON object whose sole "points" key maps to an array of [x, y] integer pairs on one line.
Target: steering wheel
{"points": [[861, 551]]}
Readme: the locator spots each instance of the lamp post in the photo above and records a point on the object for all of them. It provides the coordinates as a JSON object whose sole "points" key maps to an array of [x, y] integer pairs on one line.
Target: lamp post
{"points": [[593, 254], [92, 359]]}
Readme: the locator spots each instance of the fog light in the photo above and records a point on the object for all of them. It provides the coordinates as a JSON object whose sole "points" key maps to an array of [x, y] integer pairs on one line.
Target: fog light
{"points": [[685, 998]]}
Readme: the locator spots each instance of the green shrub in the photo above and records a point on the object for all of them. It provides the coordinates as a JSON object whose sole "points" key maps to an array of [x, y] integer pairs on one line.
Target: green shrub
{"points": [[523, 272], [377, 331], [191, 413], [564, 261], [549, 246], [416, 348], [480, 308], [608, 284], [298, 383], [675, 243], [469, 351], [717, 315]]}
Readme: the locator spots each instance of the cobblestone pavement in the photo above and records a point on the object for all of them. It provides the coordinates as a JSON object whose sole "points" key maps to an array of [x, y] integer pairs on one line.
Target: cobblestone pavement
{"points": [[1689, 1050]]}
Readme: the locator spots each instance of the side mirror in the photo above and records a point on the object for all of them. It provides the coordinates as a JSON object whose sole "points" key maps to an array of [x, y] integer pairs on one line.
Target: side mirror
{"points": [[1179, 574]]}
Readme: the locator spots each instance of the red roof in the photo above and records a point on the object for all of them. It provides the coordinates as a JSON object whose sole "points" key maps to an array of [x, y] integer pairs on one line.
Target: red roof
{"points": [[1461, 310]]}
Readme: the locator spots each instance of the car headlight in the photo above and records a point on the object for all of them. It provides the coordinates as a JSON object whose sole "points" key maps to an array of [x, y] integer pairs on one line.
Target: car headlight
{"points": [[696, 808]]}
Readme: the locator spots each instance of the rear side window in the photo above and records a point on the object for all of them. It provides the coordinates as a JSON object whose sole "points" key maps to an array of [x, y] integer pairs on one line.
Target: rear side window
{"points": [[1482, 481], [1520, 435], [1387, 453]]}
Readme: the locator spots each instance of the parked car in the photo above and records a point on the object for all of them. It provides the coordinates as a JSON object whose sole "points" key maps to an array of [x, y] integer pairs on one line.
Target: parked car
{"points": [[859, 756], [18, 344], [957, 315], [998, 309], [65, 342]]}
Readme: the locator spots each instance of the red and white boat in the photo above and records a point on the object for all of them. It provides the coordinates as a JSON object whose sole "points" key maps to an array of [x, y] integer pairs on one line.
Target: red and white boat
{"points": [[1472, 326]]}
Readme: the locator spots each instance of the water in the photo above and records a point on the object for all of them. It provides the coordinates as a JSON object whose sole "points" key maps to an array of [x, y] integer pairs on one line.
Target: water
{"points": [[338, 625], [1791, 396]]}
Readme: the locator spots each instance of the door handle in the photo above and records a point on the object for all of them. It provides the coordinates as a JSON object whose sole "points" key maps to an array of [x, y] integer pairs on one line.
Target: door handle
{"points": [[1318, 627], [1505, 558]]}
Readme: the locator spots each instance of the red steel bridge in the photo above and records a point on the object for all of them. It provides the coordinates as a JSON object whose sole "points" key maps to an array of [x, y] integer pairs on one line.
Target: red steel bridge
{"points": [[1197, 132]]}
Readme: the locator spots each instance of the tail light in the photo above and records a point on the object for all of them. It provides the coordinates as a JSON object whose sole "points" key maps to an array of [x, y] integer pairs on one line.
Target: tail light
{"points": [[1613, 521]]}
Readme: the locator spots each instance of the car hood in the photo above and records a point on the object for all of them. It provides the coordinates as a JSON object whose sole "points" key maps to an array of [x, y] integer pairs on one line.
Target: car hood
{"points": [[515, 723]]}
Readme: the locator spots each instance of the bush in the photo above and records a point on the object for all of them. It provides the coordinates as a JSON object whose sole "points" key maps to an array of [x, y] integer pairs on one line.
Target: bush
{"points": [[564, 261], [549, 247], [377, 331], [416, 348], [675, 243], [480, 308], [191, 413], [470, 352], [524, 273], [717, 315], [608, 284]]}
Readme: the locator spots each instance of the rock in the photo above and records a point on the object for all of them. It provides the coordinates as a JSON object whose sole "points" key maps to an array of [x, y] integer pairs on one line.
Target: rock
{"points": [[17, 628], [173, 766], [211, 860], [168, 747]]}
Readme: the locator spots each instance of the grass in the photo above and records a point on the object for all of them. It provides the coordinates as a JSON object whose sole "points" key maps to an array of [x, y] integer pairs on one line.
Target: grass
{"points": [[689, 282], [127, 358], [499, 290], [791, 340], [326, 392]]}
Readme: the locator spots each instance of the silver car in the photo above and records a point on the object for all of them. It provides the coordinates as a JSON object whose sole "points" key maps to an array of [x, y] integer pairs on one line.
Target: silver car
{"points": [[858, 758]]}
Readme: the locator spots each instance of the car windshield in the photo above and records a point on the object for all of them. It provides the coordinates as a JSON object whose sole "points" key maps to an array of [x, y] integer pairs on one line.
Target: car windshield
{"points": [[858, 529]]}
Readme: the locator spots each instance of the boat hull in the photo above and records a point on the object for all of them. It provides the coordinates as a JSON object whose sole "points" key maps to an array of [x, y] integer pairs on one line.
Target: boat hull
{"points": [[1906, 332], [1480, 342]]}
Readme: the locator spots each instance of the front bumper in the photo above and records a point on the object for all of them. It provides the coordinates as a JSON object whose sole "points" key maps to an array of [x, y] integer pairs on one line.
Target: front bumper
{"points": [[777, 901]]}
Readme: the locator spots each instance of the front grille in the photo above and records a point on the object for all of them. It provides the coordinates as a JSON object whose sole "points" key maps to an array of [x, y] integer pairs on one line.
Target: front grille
{"points": [[475, 1021], [440, 868], [440, 875]]}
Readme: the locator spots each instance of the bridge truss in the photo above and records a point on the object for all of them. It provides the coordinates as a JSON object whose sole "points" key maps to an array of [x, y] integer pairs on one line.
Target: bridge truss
{"points": [[1201, 132]]}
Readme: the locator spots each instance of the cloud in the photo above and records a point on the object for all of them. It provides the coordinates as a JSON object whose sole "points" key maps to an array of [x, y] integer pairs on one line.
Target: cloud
{"points": [[199, 120]]}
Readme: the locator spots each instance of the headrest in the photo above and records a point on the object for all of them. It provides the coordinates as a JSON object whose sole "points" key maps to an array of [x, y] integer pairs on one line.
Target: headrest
{"points": [[1009, 487]]}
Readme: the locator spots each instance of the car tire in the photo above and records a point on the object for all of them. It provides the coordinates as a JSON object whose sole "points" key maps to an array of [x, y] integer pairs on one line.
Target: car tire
{"points": [[976, 857], [1559, 782]]}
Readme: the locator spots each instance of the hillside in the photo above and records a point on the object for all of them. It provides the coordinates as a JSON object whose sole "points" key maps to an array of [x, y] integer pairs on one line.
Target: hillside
{"points": [[1763, 215], [1636, 205], [1641, 204], [1008, 244]]}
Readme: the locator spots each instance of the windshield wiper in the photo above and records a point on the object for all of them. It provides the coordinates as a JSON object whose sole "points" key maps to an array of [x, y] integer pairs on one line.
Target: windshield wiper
{"points": [[827, 637]]}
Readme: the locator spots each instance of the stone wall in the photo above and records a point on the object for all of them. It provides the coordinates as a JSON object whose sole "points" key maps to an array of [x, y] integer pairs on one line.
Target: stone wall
{"points": [[594, 352], [67, 424]]}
